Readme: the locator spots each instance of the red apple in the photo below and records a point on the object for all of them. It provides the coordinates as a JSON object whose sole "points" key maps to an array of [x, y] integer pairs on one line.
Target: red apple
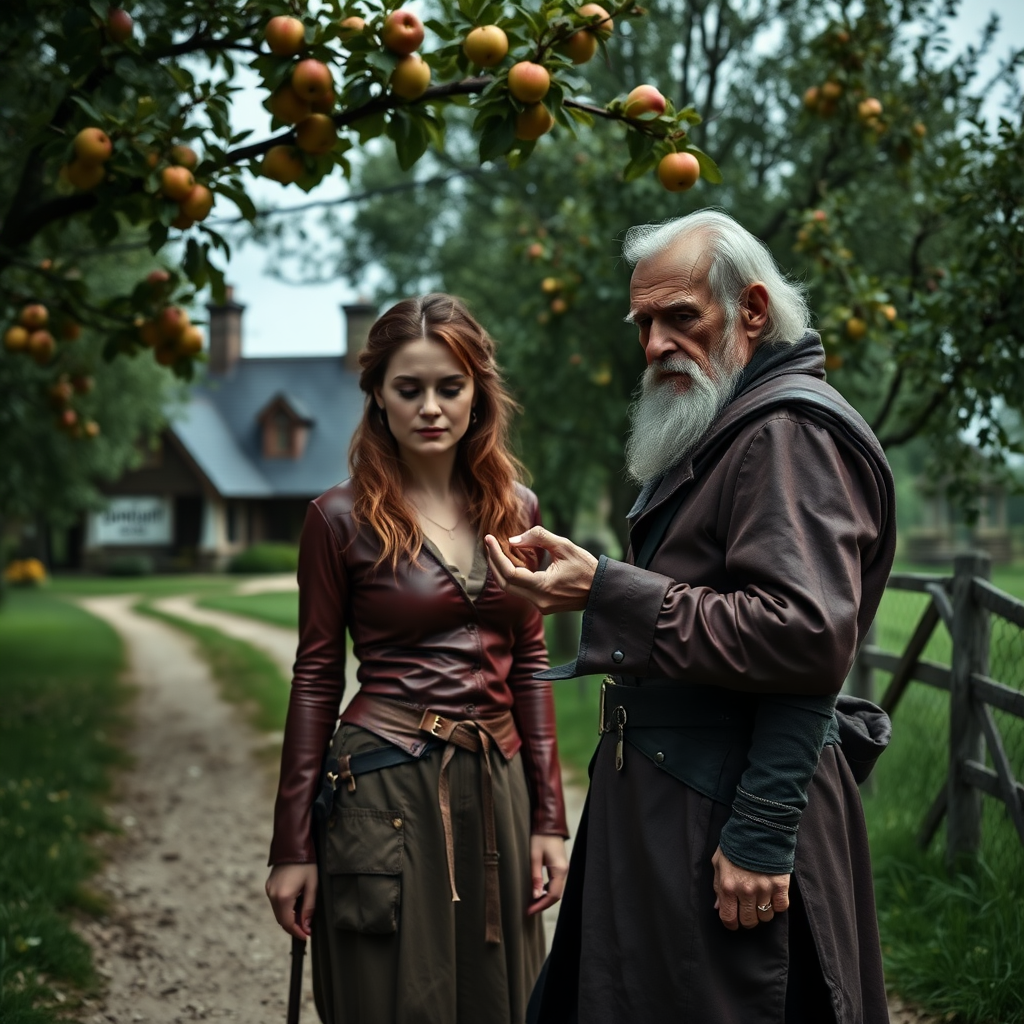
{"points": [[486, 46], [285, 36], [283, 164], [158, 278], [323, 104], [644, 99], [678, 171], [93, 146], [41, 345], [34, 316], [119, 25], [528, 82], [316, 134], [402, 32], [171, 323], [411, 77], [312, 80], [176, 182]]}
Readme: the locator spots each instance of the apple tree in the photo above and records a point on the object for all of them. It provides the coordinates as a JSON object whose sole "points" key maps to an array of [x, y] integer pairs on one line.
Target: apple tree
{"points": [[118, 120], [852, 145]]}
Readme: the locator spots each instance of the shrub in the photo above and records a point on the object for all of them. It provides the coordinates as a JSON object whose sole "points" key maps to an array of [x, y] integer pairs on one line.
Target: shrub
{"points": [[266, 558], [26, 572]]}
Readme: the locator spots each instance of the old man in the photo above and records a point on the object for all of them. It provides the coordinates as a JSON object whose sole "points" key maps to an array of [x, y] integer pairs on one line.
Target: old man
{"points": [[721, 872]]}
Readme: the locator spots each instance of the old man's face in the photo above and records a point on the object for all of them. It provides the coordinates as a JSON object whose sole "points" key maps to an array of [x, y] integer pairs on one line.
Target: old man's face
{"points": [[695, 355]]}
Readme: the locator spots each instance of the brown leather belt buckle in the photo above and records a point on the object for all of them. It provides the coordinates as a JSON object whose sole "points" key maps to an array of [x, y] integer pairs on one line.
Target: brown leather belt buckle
{"points": [[437, 725]]}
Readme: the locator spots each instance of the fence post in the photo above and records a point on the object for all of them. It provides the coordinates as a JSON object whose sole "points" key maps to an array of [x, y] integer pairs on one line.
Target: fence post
{"points": [[966, 740], [861, 683]]}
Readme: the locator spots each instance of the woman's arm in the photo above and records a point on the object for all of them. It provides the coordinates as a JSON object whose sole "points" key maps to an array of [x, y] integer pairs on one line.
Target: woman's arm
{"points": [[318, 683]]}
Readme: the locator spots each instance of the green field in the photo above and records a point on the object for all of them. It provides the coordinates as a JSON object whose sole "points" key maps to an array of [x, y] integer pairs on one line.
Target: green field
{"points": [[279, 608], [62, 707]]}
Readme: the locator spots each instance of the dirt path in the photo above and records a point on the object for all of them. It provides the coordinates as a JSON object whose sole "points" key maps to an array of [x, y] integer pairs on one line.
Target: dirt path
{"points": [[191, 936]]}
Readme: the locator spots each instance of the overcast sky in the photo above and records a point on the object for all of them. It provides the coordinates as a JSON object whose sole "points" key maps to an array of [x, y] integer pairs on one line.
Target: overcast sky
{"points": [[282, 319]]}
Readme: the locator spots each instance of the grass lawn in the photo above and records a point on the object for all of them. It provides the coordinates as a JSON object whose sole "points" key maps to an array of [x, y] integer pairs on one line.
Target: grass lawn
{"points": [[245, 675], [62, 704], [953, 945], [147, 586], [281, 608]]}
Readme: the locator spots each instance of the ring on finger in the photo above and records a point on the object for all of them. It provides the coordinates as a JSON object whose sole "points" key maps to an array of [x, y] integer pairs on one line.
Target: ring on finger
{"points": [[766, 908]]}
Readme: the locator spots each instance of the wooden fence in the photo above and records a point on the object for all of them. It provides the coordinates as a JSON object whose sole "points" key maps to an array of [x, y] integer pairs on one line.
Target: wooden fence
{"points": [[965, 604]]}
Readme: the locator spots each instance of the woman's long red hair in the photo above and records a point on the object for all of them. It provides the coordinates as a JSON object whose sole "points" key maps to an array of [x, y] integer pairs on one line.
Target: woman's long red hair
{"points": [[485, 468]]}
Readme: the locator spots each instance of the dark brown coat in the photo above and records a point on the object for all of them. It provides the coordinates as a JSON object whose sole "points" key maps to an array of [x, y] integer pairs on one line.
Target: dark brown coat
{"points": [[765, 582]]}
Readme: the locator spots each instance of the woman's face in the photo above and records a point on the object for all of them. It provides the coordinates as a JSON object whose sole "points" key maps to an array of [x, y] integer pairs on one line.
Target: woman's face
{"points": [[428, 398]]}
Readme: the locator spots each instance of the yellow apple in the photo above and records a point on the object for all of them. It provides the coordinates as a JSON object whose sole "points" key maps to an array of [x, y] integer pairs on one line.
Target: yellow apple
{"points": [[486, 46], [605, 26], [856, 328], [176, 182], [84, 176], [580, 46], [285, 36], [349, 28], [197, 204], [869, 109], [287, 106], [533, 122], [93, 146], [316, 134], [16, 339], [184, 156], [190, 341], [283, 164], [678, 172], [411, 77]]}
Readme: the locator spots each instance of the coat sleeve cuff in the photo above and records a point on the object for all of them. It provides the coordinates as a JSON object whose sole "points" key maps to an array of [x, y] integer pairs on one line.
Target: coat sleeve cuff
{"points": [[618, 623]]}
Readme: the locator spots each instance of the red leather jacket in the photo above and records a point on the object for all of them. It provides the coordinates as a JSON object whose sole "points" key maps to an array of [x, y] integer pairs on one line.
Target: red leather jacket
{"points": [[419, 639]]}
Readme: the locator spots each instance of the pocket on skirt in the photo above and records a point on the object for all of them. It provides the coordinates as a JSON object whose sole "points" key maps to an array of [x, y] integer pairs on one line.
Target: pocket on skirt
{"points": [[365, 849]]}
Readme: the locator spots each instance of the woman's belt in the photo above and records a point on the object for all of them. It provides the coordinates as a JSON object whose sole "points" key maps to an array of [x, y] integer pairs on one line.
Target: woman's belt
{"points": [[421, 730]]}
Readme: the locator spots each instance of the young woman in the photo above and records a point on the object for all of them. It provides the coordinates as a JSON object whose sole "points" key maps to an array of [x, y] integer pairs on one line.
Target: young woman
{"points": [[446, 809]]}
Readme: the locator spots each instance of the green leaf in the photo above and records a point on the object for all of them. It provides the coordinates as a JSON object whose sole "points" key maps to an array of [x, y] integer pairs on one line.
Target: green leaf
{"points": [[498, 138], [410, 137], [90, 110], [639, 167], [708, 168], [439, 28], [639, 144], [157, 236]]}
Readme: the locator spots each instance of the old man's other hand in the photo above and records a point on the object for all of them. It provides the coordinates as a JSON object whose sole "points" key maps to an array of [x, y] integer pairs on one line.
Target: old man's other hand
{"points": [[747, 898], [563, 586]]}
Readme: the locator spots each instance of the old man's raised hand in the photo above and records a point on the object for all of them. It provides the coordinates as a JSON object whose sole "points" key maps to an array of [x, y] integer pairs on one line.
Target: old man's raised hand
{"points": [[563, 586]]}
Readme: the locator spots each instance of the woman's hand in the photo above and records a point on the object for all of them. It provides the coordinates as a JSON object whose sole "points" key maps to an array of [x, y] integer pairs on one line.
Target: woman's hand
{"points": [[287, 884], [746, 897], [546, 852]]}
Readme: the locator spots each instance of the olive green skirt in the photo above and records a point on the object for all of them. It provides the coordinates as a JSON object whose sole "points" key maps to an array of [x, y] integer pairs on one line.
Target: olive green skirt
{"points": [[389, 944]]}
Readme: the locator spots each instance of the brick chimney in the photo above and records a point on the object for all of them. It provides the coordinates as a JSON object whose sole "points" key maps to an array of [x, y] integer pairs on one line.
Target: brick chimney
{"points": [[225, 333], [359, 317]]}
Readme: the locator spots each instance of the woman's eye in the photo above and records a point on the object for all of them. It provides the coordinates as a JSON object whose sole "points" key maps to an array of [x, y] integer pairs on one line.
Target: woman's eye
{"points": [[451, 392], [407, 394]]}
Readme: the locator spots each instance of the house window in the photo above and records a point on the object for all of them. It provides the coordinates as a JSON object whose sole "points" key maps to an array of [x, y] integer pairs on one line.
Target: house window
{"points": [[281, 433]]}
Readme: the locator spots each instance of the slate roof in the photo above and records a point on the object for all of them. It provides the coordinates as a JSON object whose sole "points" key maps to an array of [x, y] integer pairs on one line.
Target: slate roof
{"points": [[219, 425]]}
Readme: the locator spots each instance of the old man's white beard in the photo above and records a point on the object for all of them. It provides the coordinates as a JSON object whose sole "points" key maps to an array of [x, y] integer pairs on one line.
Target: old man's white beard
{"points": [[666, 425]]}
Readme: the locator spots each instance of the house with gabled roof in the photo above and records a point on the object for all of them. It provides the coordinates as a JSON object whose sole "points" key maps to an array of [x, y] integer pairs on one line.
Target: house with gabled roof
{"points": [[238, 463]]}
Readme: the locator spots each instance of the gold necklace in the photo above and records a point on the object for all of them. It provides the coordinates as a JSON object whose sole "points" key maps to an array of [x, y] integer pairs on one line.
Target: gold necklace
{"points": [[450, 530]]}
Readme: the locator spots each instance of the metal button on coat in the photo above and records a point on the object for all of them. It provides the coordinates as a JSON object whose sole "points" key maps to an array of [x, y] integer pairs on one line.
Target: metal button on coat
{"points": [[470, 709], [659, 757], [396, 822], [617, 657]]}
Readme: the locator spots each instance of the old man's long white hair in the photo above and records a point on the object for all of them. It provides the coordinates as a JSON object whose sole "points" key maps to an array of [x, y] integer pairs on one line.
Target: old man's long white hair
{"points": [[666, 424]]}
